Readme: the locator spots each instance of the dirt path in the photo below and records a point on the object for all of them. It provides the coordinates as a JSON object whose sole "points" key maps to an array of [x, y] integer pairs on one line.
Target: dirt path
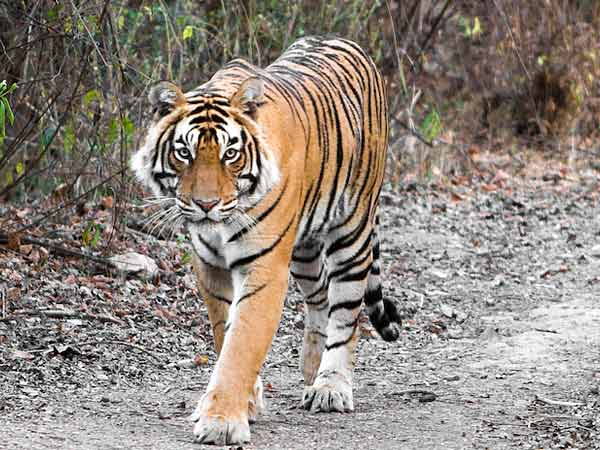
{"points": [[502, 299]]}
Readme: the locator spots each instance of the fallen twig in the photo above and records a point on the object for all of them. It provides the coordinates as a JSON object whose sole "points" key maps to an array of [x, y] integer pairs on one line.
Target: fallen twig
{"points": [[412, 391], [58, 249], [546, 330], [557, 402], [61, 314], [425, 396]]}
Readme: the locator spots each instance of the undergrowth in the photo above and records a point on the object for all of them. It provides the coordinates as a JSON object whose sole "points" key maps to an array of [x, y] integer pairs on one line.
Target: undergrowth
{"points": [[486, 72]]}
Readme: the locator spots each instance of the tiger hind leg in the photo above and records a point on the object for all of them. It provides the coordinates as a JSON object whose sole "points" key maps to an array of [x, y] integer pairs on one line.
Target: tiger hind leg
{"points": [[349, 260], [309, 271]]}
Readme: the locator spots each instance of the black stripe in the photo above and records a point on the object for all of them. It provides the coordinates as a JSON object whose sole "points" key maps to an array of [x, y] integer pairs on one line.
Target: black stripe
{"points": [[214, 295], [358, 276], [204, 261], [318, 302], [345, 269], [199, 119], [250, 294], [321, 288], [345, 325], [161, 175], [320, 333], [345, 341], [348, 239], [301, 276], [306, 259], [350, 304], [340, 343], [250, 258], [210, 248]]}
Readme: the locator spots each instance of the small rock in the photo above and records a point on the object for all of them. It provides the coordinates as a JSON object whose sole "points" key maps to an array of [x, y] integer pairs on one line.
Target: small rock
{"points": [[187, 363], [135, 263], [461, 316], [85, 291], [595, 251], [452, 378], [447, 311], [454, 333], [490, 301], [437, 273], [30, 392]]}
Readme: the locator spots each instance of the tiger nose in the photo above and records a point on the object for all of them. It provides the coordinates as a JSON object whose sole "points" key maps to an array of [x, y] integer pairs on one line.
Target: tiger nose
{"points": [[206, 206]]}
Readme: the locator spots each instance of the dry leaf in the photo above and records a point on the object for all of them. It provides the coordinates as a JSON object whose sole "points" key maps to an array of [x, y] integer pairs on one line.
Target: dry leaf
{"points": [[22, 213], [500, 177], [14, 241], [489, 187], [456, 197], [13, 293], [60, 192], [44, 253], [25, 249], [107, 202], [200, 360]]}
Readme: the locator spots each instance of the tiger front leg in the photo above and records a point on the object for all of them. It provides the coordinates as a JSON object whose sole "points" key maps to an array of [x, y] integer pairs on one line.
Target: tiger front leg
{"points": [[222, 415], [216, 287]]}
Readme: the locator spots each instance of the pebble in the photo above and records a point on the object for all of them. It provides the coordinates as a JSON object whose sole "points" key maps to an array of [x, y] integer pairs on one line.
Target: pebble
{"points": [[447, 311], [86, 291], [461, 316]]}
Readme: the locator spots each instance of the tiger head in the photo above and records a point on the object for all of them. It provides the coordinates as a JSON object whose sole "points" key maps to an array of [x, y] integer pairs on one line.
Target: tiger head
{"points": [[204, 155]]}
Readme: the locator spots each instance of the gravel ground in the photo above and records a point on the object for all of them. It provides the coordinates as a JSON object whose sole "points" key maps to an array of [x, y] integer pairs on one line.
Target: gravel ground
{"points": [[500, 348]]}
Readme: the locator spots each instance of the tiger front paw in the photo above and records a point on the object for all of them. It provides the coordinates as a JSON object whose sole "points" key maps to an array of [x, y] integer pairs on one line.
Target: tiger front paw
{"points": [[213, 427], [221, 431], [331, 392]]}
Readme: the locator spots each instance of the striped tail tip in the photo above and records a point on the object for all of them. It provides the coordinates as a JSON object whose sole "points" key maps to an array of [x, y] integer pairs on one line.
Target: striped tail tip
{"points": [[387, 320]]}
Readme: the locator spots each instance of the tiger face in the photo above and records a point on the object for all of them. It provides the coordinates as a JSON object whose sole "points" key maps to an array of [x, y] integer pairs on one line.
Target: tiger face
{"points": [[204, 155]]}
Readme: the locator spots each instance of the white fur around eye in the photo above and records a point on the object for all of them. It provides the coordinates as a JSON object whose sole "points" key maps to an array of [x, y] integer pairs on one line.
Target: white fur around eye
{"points": [[231, 155], [183, 154]]}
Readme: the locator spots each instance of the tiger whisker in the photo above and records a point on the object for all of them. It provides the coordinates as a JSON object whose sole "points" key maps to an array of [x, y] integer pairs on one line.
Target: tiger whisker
{"points": [[174, 213], [156, 217], [161, 219]]}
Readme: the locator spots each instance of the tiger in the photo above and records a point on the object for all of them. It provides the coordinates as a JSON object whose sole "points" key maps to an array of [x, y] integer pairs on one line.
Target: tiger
{"points": [[277, 171]]}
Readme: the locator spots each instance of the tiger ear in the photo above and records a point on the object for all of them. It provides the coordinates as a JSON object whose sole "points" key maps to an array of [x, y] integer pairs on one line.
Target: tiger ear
{"points": [[165, 97], [249, 96]]}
